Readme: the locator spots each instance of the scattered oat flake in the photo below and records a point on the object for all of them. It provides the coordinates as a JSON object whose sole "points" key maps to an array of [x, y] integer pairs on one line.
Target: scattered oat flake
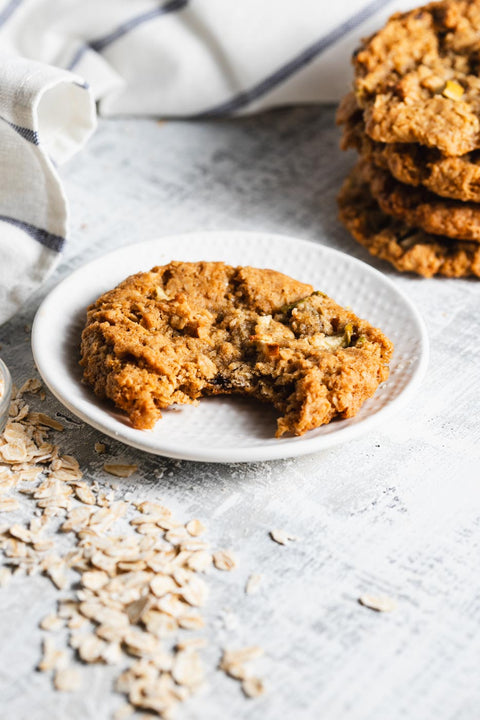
{"points": [[176, 535], [42, 419], [159, 623], [57, 574], [112, 653], [153, 508], [282, 537], [236, 671], [52, 657], [91, 648], [8, 504], [124, 711], [195, 527], [94, 579], [84, 494], [32, 385], [233, 664], [135, 609], [195, 591], [379, 603], [162, 585], [136, 592], [191, 622], [43, 545], [5, 575], [51, 622], [253, 583], [253, 687], [76, 621], [20, 532], [196, 642], [187, 668], [224, 560], [120, 470], [199, 561], [67, 680], [243, 655]]}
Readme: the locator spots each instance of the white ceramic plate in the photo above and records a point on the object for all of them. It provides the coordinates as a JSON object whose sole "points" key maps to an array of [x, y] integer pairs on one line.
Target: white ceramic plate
{"points": [[226, 429]]}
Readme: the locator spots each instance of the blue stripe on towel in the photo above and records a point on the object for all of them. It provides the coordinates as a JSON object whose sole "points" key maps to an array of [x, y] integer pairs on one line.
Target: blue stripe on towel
{"points": [[26, 133], [79, 53], [84, 85], [9, 10], [49, 240], [297, 63], [30, 135], [101, 43]]}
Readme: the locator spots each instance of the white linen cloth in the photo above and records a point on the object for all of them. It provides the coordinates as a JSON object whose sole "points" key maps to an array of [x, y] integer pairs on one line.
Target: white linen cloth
{"points": [[188, 58]]}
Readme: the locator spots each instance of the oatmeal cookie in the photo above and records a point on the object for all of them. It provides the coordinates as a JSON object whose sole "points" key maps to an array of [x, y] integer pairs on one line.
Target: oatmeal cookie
{"points": [[420, 208], [186, 330], [413, 164], [409, 249], [417, 79]]}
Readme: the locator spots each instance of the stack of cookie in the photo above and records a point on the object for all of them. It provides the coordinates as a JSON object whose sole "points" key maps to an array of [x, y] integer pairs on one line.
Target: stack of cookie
{"points": [[414, 117]]}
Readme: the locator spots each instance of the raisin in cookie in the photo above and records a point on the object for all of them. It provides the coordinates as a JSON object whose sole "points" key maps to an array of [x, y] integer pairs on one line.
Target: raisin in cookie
{"points": [[186, 330], [408, 249], [411, 163], [417, 79]]}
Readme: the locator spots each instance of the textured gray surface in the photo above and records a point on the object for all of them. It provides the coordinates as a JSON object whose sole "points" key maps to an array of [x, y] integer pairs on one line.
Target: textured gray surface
{"points": [[397, 512]]}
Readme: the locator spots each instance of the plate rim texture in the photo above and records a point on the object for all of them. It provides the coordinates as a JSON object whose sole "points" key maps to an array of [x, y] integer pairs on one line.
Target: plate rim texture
{"points": [[108, 422]]}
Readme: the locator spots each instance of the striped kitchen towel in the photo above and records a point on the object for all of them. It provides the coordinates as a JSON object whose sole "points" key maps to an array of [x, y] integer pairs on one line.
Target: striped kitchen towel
{"points": [[45, 116], [174, 58]]}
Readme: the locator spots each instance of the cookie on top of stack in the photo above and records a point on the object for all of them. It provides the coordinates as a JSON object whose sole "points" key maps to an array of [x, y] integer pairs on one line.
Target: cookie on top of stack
{"points": [[414, 117]]}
